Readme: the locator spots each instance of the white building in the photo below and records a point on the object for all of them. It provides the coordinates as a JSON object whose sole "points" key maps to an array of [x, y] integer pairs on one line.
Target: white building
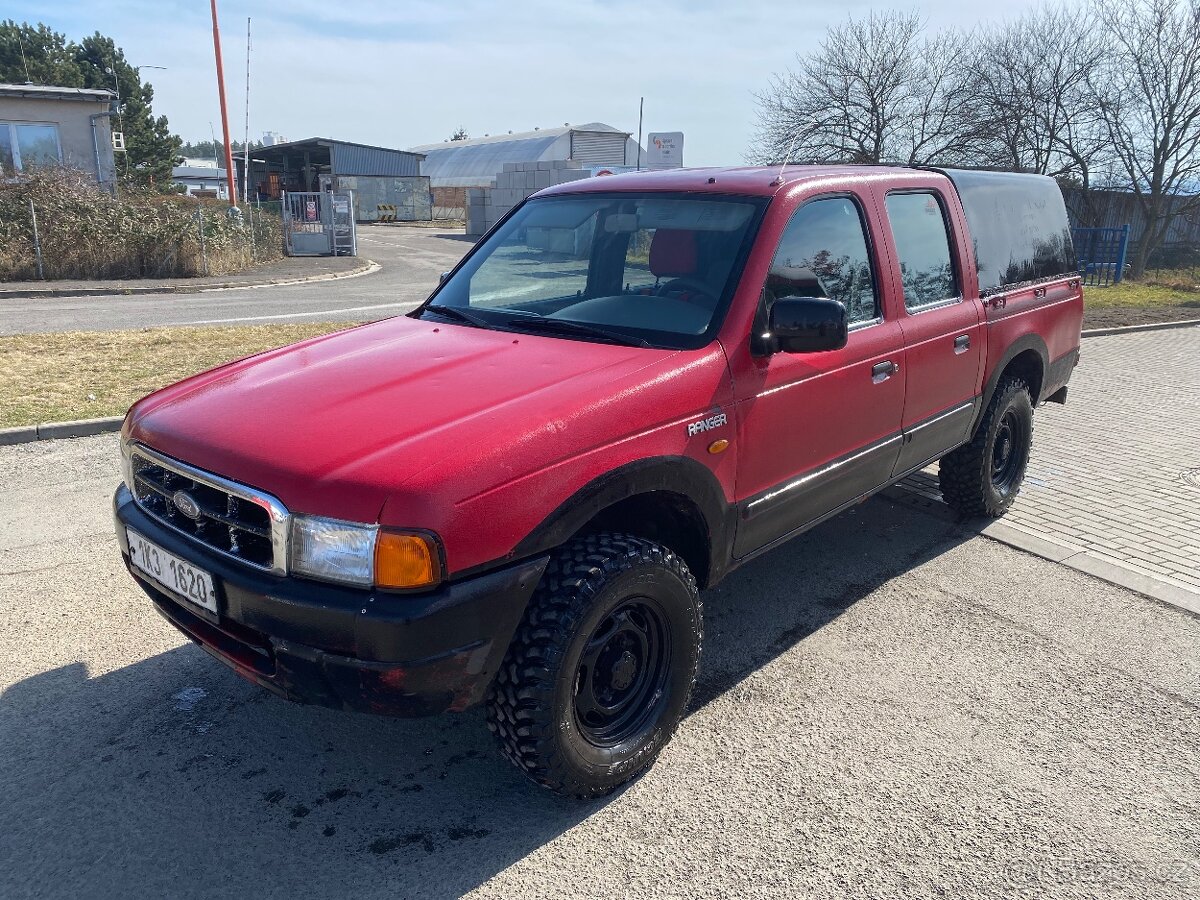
{"points": [[201, 176]]}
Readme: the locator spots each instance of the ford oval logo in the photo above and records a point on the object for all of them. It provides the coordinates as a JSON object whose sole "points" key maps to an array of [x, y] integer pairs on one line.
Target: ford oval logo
{"points": [[186, 505]]}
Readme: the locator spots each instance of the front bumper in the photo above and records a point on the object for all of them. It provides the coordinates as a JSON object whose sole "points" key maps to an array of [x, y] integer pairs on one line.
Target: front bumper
{"points": [[348, 648]]}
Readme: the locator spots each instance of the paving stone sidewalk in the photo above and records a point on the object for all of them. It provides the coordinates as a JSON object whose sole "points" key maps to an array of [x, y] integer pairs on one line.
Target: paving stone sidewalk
{"points": [[1115, 474]]}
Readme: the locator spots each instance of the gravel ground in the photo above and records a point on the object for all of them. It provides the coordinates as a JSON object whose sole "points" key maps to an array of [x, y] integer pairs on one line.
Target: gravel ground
{"points": [[888, 707]]}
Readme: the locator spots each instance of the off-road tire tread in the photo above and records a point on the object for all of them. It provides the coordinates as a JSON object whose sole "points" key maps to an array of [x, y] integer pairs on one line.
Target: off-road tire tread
{"points": [[961, 473], [522, 691]]}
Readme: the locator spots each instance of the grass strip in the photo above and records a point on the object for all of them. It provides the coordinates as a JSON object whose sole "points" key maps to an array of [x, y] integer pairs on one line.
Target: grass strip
{"points": [[89, 374], [1141, 294]]}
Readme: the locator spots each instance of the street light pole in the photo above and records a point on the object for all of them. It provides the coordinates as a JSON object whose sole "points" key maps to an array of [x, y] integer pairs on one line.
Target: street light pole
{"points": [[224, 112]]}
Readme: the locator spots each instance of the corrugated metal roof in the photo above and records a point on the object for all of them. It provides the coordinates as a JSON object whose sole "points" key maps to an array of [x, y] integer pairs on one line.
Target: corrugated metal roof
{"points": [[476, 161], [350, 158], [520, 136], [355, 159]]}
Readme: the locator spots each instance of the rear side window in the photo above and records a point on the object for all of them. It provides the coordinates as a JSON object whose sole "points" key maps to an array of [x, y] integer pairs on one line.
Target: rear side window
{"points": [[1019, 226], [824, 253], [923, 245]]}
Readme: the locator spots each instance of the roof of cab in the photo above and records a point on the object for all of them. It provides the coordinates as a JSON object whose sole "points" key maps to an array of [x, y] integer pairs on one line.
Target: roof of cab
{"points": [[752, 180]]}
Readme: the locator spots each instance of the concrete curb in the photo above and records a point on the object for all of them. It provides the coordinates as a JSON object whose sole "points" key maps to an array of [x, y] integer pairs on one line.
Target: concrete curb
{"points": [[49, 431], [367, 267], [1131, 329], [1073, 556]]}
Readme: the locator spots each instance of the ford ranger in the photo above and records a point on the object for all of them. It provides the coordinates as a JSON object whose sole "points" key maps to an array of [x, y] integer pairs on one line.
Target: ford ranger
{"points": [[632, 385]]}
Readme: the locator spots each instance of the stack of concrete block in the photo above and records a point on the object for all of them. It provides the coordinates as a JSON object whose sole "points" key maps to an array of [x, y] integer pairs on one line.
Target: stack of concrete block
{"points": [[486, 206], [480, 216]]}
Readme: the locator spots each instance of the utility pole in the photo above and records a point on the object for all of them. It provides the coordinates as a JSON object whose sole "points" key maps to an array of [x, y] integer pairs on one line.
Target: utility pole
{"points": [[641, 109], [232, 190]]}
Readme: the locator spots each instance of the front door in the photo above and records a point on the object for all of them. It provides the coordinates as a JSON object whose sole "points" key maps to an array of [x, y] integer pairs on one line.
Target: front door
{"points": [[943, 330], [819, 430]]}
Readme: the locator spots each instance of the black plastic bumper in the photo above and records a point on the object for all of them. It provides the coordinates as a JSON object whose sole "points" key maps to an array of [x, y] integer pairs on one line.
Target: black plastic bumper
{"points": [[391, 653]]}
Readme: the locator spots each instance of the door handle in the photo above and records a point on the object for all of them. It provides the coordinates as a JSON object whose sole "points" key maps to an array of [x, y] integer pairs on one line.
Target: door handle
{"points": [[884, 370], [962, 343]]}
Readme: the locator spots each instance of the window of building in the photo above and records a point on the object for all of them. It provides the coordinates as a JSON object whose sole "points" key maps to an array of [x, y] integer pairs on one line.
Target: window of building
{"points": [[24, 145]]}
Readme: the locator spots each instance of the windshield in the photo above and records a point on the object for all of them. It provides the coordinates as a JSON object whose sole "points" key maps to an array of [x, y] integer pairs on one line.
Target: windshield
{"points": [[644, 269]]}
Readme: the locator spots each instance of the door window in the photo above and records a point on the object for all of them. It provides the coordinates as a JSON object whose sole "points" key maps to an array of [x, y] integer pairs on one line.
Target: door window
{"points": [[923, 245], [824, 253]]}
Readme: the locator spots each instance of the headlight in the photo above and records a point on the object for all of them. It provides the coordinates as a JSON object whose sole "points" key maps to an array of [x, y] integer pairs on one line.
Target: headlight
{"points": [[364, 555], [127, 466]]}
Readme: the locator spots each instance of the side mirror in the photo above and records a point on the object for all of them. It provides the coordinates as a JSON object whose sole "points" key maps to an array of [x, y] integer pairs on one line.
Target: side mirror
{"points": [[808, 324], [443, 277]]}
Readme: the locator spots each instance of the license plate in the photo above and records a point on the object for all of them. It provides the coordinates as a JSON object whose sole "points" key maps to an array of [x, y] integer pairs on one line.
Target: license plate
{"points": [[177, 575]]}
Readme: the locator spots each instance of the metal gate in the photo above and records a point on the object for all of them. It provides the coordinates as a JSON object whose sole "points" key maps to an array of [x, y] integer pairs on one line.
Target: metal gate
{"points": [[319, 224], [1101, 253]]}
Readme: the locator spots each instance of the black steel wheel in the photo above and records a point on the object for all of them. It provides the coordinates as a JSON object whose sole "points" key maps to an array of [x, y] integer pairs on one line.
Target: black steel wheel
{"points": [[1010, 451], [621, 672], [984, 476], [599, 673]]}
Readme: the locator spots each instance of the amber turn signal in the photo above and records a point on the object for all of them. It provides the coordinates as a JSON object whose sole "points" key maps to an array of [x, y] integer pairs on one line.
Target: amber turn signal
{"points": [[718, 446], [405, 561]]}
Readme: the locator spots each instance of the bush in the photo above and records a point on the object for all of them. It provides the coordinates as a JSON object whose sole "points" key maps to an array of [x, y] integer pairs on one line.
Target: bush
{"points": [[85, 232]]}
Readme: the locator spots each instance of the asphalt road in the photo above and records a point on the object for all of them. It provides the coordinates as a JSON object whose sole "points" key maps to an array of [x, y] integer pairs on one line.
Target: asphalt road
{"points": [[889, 706], [411, 260]]}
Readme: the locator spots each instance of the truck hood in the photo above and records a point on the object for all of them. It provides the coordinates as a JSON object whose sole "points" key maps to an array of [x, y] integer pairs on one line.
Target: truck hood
{"points": [[332, 425]]}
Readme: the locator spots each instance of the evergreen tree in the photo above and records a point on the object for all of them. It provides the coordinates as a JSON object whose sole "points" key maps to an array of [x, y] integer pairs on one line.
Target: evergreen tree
{"points": [[150, 149], [36, 54]]}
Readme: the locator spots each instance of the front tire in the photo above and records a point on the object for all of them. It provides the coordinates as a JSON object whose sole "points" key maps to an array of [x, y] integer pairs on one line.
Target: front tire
{"points": [[984, 476], [599, 673]]}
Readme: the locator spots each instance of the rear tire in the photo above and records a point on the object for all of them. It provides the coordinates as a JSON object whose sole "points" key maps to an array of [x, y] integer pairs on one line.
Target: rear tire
{"points": [[599, 673], [984, 476]]}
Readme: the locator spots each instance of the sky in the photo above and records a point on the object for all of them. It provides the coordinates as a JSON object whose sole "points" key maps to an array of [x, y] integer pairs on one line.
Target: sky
{"points": [[399, 74]]}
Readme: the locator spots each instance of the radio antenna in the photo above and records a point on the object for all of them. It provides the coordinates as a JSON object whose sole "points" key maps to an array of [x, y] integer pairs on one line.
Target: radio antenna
{"points": [[24, 61], [787, 156]]}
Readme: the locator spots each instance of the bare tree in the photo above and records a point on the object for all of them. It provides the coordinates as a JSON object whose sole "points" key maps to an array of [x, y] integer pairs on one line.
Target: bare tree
{"points": [[1035, 97], [876, 90], [1149, 85]]}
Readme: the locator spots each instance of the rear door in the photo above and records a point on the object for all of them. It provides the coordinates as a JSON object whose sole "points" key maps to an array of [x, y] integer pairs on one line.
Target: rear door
{"points": [[941, 321]]}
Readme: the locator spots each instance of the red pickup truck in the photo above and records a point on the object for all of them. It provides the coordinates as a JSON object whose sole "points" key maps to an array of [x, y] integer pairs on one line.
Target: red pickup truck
{"points": [[631, 386]]}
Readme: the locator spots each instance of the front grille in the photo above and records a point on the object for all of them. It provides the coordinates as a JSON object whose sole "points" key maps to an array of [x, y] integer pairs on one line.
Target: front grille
{"points": [[220, 514]]}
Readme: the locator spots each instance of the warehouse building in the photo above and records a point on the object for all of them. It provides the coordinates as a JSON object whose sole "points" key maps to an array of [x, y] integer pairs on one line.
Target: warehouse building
{"points": [[378, 176], [455, 166]]}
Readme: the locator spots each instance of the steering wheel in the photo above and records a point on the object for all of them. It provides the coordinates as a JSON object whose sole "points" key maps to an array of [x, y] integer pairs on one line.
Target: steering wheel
{"points": [[685, 285]]}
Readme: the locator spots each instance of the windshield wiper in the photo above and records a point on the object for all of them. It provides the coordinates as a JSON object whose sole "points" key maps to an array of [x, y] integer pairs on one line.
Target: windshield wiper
{"points": [[459, 314], [568, 326]]}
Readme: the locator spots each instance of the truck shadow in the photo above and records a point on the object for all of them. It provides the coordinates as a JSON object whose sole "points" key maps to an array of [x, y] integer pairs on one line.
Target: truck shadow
{"points": [[171, 776]]}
